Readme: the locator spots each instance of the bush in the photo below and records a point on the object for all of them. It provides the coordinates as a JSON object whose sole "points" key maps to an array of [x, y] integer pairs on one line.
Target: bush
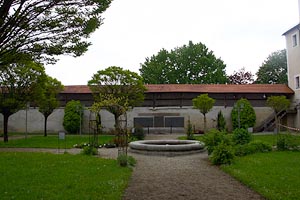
{"points": [[89, 150], [286, 142], [73, 111], [221, 122], [244, 113], [138, 133], [222, 154], [189, 131], [241, 136], [213, 138], [251, 148], [125, 160]]}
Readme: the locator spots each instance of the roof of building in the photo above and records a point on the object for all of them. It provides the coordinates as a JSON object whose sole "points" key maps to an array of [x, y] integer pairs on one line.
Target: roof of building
{"points": [[291, 29], [198, 88]]}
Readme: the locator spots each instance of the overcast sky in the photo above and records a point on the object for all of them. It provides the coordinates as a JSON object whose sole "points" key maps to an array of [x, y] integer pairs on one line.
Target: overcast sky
{"points": [[240, 32]]}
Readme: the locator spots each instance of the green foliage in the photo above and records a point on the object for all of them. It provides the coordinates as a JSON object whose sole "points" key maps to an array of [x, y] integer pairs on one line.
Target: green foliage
{"points": [[221, 122], [189, 131], [278, 103], [89, 150], [213, 138], [286, 142], [274, 175], [241, 136], [222, 154], [203, 103], [274, 69], [73, 111], [244, 113], [47, 100], [189, 64], [45, 29], [138, 133], [62, 176], [19, 85], [251, 148], [125, 160]]}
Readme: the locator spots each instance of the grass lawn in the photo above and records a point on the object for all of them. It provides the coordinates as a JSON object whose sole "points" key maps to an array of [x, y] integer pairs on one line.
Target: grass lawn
{"points": [[275, 175], [49, 176], [51, 141]]}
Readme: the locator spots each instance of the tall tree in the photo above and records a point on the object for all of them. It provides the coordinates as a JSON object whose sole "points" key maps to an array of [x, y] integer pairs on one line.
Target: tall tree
{"points": [[118, 88], [278, 104], [189, 64], [18, 85], [44, 29], [274, 69], [203, 103], [47, 100], [241, 77]]}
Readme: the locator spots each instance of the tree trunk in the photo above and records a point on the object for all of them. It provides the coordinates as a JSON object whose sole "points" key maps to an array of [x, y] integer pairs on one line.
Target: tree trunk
{"points": [[45, 125], [204, 123], [5, 125]]}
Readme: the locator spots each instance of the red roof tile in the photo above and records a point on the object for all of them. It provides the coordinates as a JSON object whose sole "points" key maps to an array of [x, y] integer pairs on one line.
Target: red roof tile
{"points": [[199, 88]]}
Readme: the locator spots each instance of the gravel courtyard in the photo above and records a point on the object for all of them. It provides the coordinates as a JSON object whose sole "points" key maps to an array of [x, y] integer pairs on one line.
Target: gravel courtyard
{"points": [[182, 177]]}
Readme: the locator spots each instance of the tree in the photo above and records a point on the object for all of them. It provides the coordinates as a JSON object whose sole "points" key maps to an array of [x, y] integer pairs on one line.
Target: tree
{"points": [[204, 103], [18, 86], [278, 104], [43, 29], [243, 114], [221, 122], [274, 69], [241, 77], [189, 64], [72, 118], [118, 88], [47, 101]]}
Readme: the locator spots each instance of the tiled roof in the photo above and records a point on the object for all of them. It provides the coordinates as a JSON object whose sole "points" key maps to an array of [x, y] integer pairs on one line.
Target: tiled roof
{"points": [[199, 88]]}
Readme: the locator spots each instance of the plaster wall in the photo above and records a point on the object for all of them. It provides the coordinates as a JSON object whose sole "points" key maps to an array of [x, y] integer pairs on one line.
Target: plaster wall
{"points": [[35, 120]]}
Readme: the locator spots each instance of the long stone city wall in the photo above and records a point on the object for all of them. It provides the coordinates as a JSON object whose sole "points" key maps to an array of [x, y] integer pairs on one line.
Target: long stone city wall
{"points": [[35, 120]]}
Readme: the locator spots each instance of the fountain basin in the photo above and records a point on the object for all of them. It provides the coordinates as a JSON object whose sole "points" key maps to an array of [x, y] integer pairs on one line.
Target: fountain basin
{"points": [[166, 147]]}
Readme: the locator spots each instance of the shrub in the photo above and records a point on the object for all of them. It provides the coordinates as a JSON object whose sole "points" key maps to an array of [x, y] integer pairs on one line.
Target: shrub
{"points": [[71, 121], [243, 114], [213, 138], [286, 142], [221, 122], [189, 131], [125, 160], [222, 154], [241, 136], [89, 150], [251, 148], [138, 133]]}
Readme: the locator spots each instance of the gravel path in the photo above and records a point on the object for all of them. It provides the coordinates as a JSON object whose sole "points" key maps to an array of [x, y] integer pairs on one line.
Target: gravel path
{"points": [[182, 177]]}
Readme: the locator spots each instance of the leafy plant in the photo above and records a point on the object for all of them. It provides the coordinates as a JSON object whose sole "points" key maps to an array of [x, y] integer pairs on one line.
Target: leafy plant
{"points": [[89, 150], [138, 133], [73, 113], [251, 148], [243, 114], [222, 154], [221, 122], [125, 160], [241, 136], [189, 131], [286, 142], [213, 138]]}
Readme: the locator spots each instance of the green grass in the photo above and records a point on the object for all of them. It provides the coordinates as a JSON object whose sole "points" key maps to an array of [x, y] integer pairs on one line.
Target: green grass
{"points": [[49, 176], [52, 141], [275, 175]]}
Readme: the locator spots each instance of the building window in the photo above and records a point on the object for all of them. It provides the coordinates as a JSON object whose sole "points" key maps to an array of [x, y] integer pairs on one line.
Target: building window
{"points": [[297, 82], [295, 40]]}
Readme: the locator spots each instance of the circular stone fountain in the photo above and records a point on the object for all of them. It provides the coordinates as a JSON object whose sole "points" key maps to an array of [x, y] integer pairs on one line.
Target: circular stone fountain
{"points": [[166, 147]]}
